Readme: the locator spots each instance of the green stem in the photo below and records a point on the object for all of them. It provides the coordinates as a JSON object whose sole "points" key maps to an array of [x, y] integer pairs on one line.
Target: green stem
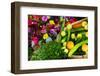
{"points": [[69, 32], [78, 29], [63, 24], [76, 47]]}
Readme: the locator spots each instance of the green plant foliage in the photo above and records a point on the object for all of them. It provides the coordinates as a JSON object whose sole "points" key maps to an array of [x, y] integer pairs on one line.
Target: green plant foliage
{"points": [[51, 50]]}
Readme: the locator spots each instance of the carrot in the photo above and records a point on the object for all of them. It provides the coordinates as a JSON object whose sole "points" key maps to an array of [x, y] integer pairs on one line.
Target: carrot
{"points": [[78, 24]]}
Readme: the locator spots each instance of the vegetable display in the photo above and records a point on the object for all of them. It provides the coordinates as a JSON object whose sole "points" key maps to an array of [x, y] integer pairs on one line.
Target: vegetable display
{"points": [[57, 37]]}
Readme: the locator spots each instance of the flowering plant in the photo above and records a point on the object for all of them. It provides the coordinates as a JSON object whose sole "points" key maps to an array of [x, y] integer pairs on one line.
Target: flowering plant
{"points": [[71, 33]]}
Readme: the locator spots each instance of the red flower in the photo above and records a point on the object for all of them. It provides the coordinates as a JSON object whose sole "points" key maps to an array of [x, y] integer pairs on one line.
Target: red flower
{"points": [[35, 40], [36, 18], [29, 22], [73, 20]]}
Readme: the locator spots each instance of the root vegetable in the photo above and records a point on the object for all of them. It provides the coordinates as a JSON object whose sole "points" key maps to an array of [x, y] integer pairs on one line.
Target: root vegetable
{"points": [[78, 25]]}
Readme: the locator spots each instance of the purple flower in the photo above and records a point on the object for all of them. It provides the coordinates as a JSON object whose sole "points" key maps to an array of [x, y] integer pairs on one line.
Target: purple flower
{"points": [[52, 31], [44, 18], [56, 19], [57, 28]]}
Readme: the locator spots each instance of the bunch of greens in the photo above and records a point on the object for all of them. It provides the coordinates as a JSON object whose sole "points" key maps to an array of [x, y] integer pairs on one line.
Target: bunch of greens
{"points": [[50, 50]]}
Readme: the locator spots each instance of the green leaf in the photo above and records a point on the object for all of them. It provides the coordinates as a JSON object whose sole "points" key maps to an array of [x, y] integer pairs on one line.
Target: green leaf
{"points": [[50, 50]]}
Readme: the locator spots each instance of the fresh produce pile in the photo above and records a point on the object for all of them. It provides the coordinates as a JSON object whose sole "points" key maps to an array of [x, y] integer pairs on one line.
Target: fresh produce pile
{"points": [[57, 37]]}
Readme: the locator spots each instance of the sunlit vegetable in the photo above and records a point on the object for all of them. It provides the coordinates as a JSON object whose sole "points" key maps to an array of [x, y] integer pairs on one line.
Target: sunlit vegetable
{"points": [[84, 23], [86, 34], [64, 44], [86, 27], [63, 33], [79, 35], [85, 48], [71, 52], [70, 45], [66, 51], [78, 25], [69, 27], [73, 36]]}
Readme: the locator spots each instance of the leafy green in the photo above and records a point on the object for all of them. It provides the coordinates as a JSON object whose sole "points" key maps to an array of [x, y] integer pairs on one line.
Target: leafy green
{"points": [[50, 50]]}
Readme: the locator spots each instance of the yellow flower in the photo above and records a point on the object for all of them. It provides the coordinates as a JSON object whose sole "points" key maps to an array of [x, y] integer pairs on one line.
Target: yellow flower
{"points": [[79, 35], [63, 33], [70, 45], [86, 34], [86, 27], [85, 47], [73, 36], [69, 27], [64, 44], [45, 36], [66, 50], [84, 23], [52, 22], [63, 48]]}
